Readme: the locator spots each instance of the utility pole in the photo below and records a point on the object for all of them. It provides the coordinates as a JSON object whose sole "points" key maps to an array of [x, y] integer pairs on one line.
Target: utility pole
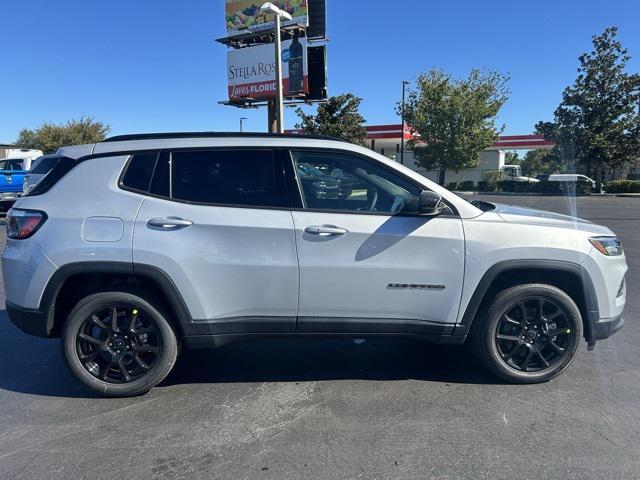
{"points": [[404, 87], [242, 119]]}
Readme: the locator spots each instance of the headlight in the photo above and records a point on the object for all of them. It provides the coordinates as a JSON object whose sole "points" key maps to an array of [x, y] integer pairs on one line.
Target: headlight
{"points": [[609, 246]]}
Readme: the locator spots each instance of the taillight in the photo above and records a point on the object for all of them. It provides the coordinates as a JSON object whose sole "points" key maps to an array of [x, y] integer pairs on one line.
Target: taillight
{"points": [[22, 224]]}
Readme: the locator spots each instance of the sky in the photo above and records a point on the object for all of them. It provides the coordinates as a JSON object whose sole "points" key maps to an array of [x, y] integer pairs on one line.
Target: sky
{"points": [[154, 65]]}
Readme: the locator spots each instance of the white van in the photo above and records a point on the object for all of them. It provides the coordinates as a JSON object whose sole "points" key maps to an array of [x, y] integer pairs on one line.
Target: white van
{"points": [[571, 177]]}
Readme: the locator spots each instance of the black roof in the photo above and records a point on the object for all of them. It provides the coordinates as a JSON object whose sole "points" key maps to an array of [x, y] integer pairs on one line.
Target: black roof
{"points": [[160, 136]]}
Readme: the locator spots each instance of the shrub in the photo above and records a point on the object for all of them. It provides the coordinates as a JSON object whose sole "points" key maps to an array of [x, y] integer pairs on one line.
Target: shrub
{"points": [[492, 182], [552, 188], [524, 187], [451, 186], [466, 186], [508, 186], [622, 186]]}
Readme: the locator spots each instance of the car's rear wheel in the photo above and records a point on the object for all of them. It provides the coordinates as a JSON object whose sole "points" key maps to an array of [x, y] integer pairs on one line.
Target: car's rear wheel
{"points": [[119, 344], [529, 334]]}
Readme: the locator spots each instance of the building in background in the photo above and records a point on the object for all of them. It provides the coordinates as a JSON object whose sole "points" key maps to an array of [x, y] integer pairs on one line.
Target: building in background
{"points": [[385, 139]]}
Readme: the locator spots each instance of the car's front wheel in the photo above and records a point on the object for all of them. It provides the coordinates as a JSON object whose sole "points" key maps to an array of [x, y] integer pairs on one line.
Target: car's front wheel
{"points": [[119, 343], [529, 334]]}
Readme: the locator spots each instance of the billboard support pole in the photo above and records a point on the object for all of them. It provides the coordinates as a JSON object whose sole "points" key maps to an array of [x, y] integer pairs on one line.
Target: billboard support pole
{"points": [[279, 93]]}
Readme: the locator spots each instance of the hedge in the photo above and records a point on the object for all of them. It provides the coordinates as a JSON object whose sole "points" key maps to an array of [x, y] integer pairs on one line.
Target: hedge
{"points": [[622, 186], [466, 186], [552, 188]]}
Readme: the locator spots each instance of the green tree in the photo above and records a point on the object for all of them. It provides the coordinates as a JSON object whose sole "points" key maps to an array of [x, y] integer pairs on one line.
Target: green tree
{"points": [[455, 119], [339, 117], [536, 162], [512, 158], [50, 137], [597, 125]]}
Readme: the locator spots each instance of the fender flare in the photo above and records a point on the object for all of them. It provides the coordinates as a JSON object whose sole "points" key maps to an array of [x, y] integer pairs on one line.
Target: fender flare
{"points": [[158, 276], [590, 299]]}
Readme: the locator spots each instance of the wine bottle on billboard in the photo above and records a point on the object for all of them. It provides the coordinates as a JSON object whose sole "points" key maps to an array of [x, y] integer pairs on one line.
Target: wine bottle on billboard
{"points": [[296, 66]]}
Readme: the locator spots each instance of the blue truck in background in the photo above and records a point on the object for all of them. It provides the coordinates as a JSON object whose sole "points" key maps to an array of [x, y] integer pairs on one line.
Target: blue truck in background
{"points": [[13, 169]]}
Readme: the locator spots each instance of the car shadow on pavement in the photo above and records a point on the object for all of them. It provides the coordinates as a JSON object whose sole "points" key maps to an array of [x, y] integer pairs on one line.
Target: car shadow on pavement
{"points": [[293, 360], [35, 366]]}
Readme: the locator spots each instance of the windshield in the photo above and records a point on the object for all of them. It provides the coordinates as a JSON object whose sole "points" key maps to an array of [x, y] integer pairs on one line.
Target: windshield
{"points": [[11, 164]]}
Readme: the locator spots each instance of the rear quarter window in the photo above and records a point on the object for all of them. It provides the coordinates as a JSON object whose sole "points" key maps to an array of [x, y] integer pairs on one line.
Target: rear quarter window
{"points": [[139, 171], [62, 167], [45, 165]]}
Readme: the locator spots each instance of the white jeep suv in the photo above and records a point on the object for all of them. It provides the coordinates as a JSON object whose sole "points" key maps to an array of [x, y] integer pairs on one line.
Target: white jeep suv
{"points": [[131, 247]]}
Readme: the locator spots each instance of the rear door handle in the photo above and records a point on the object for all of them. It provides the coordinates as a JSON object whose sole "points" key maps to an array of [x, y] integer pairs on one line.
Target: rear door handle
{"points": [[325, 230], [169, 223]]}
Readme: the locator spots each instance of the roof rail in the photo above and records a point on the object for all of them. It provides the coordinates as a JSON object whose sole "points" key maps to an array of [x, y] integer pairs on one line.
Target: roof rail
{"points": [[160, 136]]}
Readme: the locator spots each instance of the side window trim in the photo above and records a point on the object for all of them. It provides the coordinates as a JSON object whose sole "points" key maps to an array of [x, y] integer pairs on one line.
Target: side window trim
{"points": [[304, 207], [289, 192], [296, 180]]}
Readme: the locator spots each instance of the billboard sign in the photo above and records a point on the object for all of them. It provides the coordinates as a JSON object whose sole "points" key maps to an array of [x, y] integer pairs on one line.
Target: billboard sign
{"points": [[252, 71], [244, 16]]}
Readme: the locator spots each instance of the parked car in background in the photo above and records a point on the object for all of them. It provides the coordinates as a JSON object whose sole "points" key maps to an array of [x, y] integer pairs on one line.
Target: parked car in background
{"points": [[567, 178], [12, 172], [40, 167], [570, 183], [324, 186]]}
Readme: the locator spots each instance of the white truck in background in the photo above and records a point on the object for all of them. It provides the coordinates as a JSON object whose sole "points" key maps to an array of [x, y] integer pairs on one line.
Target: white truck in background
{"points": [[513, 173]]}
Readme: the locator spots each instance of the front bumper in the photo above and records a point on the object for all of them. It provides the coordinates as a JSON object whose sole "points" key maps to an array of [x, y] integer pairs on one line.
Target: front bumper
{"points": [[31, 322], [604, 328]]}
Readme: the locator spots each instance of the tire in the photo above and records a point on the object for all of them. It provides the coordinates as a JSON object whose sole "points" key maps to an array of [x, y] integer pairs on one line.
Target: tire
{"points": [[521, 331], [145, 364]]}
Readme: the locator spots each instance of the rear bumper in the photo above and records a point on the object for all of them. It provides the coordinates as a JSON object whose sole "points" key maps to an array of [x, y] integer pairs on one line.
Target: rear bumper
{"points": [[604, 328], [31, 322]]}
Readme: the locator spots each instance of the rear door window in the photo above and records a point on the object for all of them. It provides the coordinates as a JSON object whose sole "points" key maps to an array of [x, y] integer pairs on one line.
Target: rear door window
{"points": [[221, 177]]}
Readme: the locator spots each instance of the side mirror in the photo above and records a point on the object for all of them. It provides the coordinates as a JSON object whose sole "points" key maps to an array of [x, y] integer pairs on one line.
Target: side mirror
{"points": [[431, 204]]}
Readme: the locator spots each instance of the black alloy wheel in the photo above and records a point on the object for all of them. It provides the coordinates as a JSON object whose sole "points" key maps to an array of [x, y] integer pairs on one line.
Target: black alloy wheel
{"points": [[528, 333], [118, 344], [533, 335]]}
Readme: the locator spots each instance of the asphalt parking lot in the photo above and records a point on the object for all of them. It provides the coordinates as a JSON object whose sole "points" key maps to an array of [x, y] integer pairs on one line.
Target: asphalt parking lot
{"points": [[335, 409]]}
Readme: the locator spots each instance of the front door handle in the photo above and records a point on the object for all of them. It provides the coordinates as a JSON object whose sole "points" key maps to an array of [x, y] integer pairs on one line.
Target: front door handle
{"points": [[169, 223], [325, 230]]}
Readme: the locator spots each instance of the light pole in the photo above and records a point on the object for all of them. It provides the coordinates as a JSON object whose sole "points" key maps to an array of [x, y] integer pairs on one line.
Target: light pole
{"points": [[242, 119], [404, 87], [279, 106]]}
